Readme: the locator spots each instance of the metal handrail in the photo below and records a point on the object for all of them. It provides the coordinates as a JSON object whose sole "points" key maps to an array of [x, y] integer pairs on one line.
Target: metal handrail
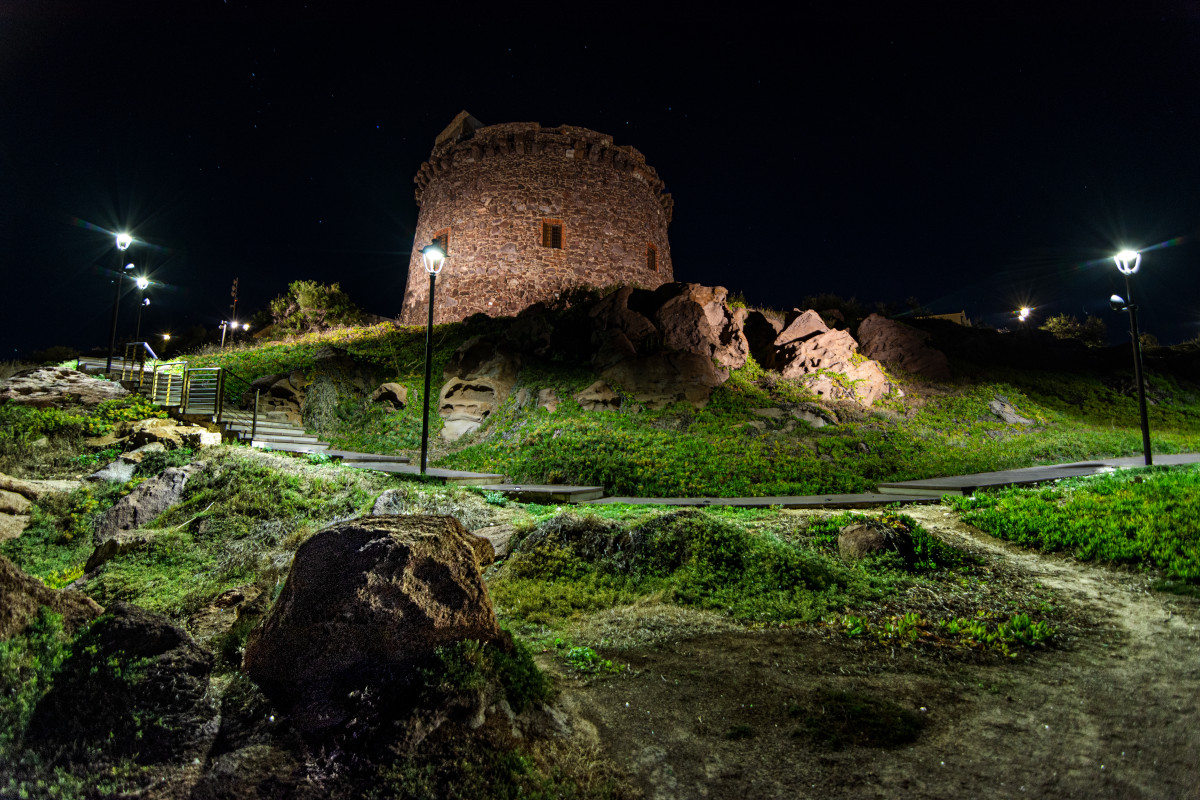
{"points": [[197, 387], [135, 356], [173, 372], [257, 396]]}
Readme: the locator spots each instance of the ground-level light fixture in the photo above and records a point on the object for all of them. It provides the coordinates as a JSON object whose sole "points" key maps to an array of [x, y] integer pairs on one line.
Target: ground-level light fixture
{"points": [[434, 258], [1128, 262]]}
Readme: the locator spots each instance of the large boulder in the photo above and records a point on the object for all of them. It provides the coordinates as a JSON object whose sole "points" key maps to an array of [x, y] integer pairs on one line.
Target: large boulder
{"points": [[831, 366], [144, 503], [368, 599], [170, 433], [658, 380], [136, 687], [696, 319], [58, 387], [21, 595], [901, 346], [477, 378]]}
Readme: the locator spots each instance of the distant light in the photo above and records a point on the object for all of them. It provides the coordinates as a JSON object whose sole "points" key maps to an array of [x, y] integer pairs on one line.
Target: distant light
{"points": [[166, 337], [145, 301], [434, 257], [129, 266], [1024, 312], [1128, 261], [1117, 303], [143, 282], [123, 241], [245, 326]]}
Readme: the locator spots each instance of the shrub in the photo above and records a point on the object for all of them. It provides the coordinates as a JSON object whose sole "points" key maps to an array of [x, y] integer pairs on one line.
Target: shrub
{"points": [[311, 306]]}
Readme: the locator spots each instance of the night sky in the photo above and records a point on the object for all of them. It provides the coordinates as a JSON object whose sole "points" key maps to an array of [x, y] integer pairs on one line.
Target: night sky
{"points": [[975, 161]]}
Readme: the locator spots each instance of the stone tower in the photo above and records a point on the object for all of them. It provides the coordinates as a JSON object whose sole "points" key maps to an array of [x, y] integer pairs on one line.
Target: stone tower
{"points": [[526, 212]]}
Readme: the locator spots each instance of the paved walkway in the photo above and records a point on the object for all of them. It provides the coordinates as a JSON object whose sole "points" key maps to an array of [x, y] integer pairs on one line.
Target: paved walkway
{"points": [[928, 490]]}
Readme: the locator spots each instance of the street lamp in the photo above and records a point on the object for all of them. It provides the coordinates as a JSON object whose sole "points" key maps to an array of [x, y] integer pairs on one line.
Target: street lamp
{"points": [[1023, 313], [1128, 262], [434, 258], [123, 242], [142, 283]]}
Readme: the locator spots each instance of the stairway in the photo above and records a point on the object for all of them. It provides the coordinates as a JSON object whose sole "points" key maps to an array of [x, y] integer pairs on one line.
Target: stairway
{"points": [[273, 431]]}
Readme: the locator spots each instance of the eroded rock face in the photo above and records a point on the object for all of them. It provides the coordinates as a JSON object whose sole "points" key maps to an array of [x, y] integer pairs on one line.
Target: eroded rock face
{"points": [[394, 393], [282, 394], [477, 378], [598, 397], [658, 380], [899, 345], [59, 387], [146, 502], [369, 598], [21, 595], [135, 687]]}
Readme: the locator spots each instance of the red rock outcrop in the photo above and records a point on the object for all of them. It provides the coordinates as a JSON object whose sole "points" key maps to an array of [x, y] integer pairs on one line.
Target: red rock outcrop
{"points": [[901, 346]]}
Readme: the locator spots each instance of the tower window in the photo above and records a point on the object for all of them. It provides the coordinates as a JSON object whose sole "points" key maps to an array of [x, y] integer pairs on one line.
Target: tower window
{"points": [[652, 258], [552, 233], [442, 238]]}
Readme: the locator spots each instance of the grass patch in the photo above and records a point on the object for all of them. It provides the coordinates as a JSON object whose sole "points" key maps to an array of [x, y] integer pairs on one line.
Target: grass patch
{"points": [[1146, 518], [570, 566]]}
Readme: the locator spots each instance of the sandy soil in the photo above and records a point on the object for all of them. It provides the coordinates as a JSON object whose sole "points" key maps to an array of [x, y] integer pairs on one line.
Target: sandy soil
{"points": [[1112, 712]]}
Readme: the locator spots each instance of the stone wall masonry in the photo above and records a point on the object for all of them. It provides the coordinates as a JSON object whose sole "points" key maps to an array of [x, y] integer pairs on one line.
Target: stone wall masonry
{"points": [[494, 189]]}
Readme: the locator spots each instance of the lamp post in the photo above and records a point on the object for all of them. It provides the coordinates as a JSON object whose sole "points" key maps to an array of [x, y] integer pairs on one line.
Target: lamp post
{"points": [[434, 257], [142, 283], [1128, 262], [123, 242]]}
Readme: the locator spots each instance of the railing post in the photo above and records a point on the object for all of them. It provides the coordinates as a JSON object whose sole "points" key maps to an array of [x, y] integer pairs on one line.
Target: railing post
{"points": [[219, 400], [254, 421], [185, 390]]}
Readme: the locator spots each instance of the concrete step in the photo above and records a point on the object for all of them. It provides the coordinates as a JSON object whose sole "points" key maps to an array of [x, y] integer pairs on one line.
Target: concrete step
{"points": [[450, 476], [351, 455], [290, 447], [548, 493], [276, 430], [310, 438]]}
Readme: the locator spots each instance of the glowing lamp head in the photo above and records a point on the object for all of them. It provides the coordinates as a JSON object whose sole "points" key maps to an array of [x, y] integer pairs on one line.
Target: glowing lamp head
{"points": [[123, 241], [434, 257], [129, 266], [1023, 313], [1128, 261], [142, 283], [166, 337], [1117, 303], [245, 326], [145, 301]]}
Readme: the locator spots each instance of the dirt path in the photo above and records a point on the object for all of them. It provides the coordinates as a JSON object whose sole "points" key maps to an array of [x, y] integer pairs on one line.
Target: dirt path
{"points": [[1114, 713]]}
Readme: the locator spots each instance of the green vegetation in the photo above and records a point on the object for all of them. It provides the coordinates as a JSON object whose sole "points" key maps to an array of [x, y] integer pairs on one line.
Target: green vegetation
{"points": [[1092, 331], [1145, 518], [312, 306]]}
